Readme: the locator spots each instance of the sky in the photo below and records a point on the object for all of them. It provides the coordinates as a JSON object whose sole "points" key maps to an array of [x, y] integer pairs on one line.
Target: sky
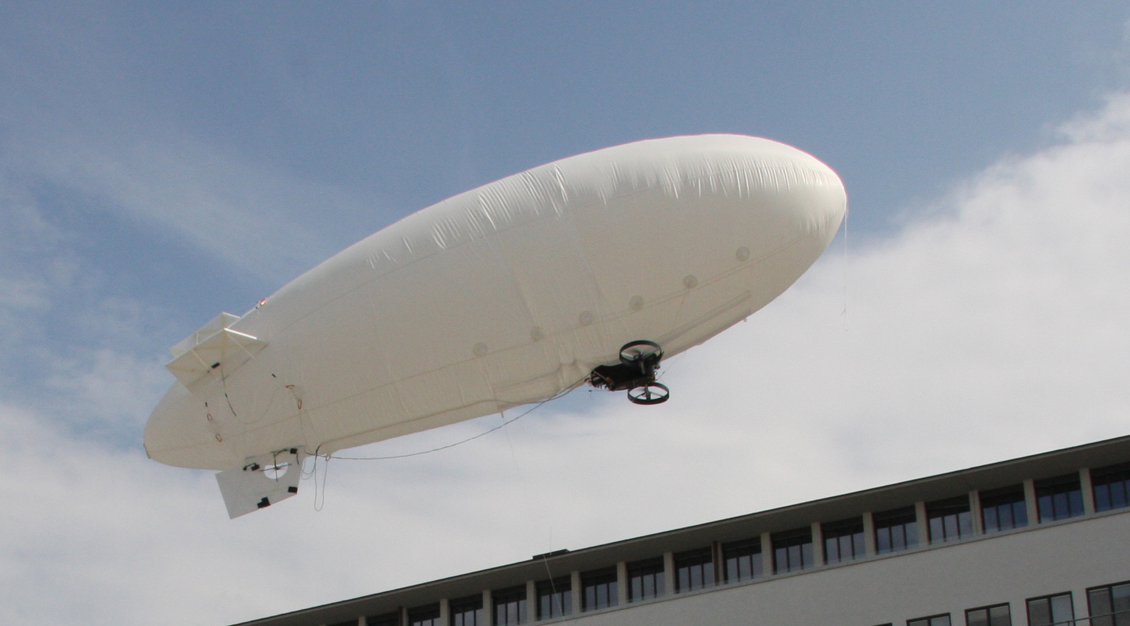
{"points": [[163, 162]]}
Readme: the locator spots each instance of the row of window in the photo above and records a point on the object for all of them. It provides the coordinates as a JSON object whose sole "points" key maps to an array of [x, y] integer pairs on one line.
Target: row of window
{"points": [[1108, 605], [844, 540]]}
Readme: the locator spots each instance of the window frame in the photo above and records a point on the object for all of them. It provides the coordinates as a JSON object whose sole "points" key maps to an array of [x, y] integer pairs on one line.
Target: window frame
{"points": [[1112, 618], [391, 618], [879, 521], [929, 620], [1105, 477], [1070, 598], [502, 598], [741, 549], [785, 541], [604, 577], [834, 532], [460, 607], [1053, 487], [988, 615], [694, 559], [561, 588], [415, 617], [957, 508], [653, 568], [998, 498]]}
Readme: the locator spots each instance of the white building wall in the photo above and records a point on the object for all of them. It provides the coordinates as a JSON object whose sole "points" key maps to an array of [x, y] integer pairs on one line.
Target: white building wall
{"points": [[991, 569]]}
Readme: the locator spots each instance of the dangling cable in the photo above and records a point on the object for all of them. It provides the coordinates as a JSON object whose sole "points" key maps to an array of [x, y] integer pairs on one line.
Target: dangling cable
{"points": [[224, 384], [320, 493], [472, 438], [847, 216]]}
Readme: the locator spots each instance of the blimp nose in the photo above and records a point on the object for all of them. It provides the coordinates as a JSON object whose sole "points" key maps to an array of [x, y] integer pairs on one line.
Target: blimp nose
{"points": [[795, 201], [821, 200]]}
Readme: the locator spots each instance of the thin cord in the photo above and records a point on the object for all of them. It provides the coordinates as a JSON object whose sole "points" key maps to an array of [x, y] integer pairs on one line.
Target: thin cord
{"points": [[320, 492], [673, 361], [847, 217], [552, 585], [472, 438], [224, 384]]}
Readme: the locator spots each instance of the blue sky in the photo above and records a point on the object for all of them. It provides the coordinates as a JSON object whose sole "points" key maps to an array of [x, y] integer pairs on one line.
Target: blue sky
{"points": [[161, 162]]}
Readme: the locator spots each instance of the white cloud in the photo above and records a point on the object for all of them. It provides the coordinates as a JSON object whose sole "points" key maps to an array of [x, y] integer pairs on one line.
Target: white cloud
{"points": [[992, 326]]}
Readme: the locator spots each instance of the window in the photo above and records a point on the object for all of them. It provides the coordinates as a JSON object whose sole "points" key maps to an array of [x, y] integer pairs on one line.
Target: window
{"points": [[1004, 509], [949, 520], [998, 615], [694, 570], [1110, 605], [792, 550], [555, 597], [1112, 487], [843, 540], [1051, 610], [896, 530], [509, 606], [467, 611], [386, 619], [351, 622], [646, 580], [599, 589], [424, 616], [1059, 498], [936, 620], [742, 560]]}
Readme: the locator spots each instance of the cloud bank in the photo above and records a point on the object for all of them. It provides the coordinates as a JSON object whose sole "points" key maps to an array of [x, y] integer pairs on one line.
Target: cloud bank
{"points": [[993, 325]]}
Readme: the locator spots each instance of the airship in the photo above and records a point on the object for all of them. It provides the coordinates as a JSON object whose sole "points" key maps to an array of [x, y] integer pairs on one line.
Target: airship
{"points": [[586, 270]]}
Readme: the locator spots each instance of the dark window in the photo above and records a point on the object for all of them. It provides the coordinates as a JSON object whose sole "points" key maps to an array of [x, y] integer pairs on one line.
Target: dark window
{"points": [[1110, 605], [424, 616], [467, 611], [386, 619], [742, 560], [646, 580], [555, 597], [843, 540], [1112, 487], [351, 622], [1051, 610], [1004, 509], [895, 530], [509, 606], [1059, 498], [694, 570], [949, 519], [792, 550], [998, 615], [934, 620], [599, 589]]}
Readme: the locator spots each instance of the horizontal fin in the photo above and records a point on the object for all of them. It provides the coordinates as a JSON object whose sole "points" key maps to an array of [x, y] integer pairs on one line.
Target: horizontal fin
{"points": [[212, 351]]}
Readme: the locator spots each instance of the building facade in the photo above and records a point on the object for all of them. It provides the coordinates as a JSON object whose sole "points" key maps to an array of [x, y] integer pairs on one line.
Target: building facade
{"points": [[1035, 541]]}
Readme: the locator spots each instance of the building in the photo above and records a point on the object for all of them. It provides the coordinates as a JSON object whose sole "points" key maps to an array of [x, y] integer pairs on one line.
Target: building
{"points": [[1036, 541]]}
